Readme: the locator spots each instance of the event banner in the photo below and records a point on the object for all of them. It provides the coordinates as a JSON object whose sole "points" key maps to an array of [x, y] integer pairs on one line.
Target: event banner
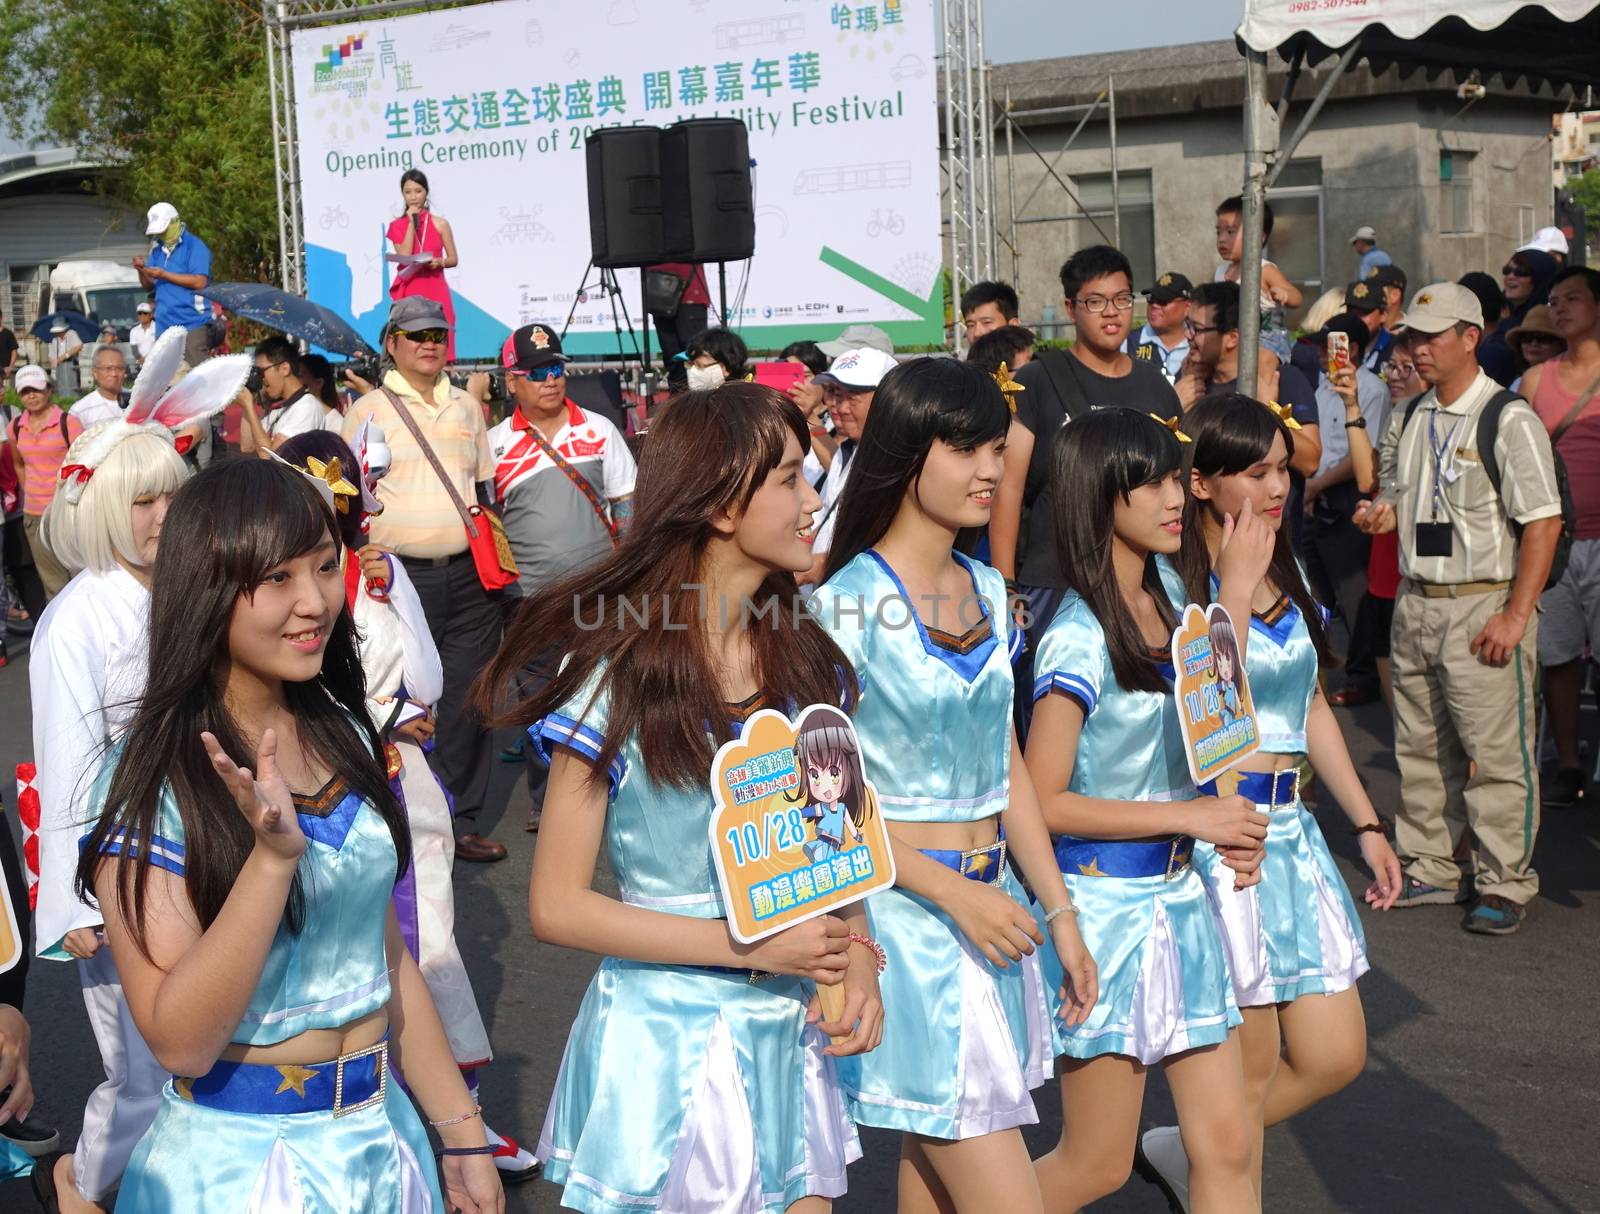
{"points": [[493, 103]]}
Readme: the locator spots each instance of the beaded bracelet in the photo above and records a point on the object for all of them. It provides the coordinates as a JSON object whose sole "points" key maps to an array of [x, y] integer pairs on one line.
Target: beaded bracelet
{"points": [[441, 1125], [876, 949], [1066, 908]]}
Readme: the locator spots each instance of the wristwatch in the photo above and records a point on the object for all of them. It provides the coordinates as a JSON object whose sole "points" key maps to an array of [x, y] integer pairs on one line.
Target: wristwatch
{"points": [[1359, 423]]}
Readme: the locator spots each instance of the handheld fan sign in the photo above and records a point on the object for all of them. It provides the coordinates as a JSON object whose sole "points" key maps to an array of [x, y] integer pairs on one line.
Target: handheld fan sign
{"points": [[1215, 709], [796, 832]]}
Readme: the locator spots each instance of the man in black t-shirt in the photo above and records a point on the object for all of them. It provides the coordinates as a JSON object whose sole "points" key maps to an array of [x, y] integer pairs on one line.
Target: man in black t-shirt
{"points": [[1097, 373], [8, 353]]}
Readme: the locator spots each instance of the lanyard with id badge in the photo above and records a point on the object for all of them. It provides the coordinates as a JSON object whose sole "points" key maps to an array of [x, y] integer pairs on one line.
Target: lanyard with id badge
{"points": [[1436, 538]]}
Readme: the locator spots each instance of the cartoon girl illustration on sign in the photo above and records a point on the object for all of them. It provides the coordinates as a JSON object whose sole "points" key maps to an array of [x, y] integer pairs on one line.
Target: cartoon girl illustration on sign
{"points": [[828, 758], [1225, 653]]}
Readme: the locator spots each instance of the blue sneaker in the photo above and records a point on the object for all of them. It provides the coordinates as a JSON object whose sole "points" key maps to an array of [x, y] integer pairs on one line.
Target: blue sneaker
{"points": [[1494, 916], [1420, 893]]}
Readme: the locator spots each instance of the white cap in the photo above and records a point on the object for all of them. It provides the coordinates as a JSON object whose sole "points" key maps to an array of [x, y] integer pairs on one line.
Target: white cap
{"points": [[159, 218], [1441, 305], [863, 368], [1548, 240], [1364, 233], [59, 325], [32, 376], [144, 307]]}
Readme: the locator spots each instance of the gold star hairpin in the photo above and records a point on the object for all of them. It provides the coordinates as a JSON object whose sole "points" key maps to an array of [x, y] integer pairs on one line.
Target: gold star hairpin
{"points": [[332, 475], [1285, 413], [1171, 423], [1008, 386]]}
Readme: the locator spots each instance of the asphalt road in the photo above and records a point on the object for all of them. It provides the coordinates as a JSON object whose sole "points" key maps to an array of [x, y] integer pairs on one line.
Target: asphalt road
{"points": [[1481, 1093]]}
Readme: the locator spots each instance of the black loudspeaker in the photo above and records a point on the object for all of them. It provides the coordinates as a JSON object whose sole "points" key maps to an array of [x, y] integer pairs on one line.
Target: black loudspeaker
{"points": [[624, 166], [708, 213], [600, 392]]}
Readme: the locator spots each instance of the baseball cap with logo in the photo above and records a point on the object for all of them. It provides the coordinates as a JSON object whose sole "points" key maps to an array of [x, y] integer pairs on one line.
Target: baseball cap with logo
{"points": [[159, 218], [1387, 276], [1364, 233], [1169, 287], [863, 368], [1362, 297], [32, 376], [532, 346], [1441, 305], [857, 337]]}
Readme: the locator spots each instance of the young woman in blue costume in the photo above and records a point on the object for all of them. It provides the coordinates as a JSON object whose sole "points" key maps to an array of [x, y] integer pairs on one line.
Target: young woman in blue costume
{"points": [[697, 1077], [1106, 755], [243, 858], [1294, 935], [967, 1017]]}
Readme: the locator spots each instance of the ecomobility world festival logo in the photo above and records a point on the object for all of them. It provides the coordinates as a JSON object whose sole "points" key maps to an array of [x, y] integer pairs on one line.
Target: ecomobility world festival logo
{"points": [[343, 67]]}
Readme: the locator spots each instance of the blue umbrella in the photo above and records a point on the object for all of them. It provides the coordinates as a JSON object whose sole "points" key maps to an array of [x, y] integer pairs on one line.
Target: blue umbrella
{"points": [[76, 321], [291, 314]]}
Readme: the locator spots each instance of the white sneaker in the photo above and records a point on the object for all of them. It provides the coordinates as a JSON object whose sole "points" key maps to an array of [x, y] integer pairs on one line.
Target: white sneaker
{"points": [[1160, 1159], [514, 1163]]}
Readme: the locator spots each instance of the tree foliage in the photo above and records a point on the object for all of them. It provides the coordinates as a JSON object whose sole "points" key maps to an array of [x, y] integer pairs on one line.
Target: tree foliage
{"points": [[1586, 193], [171, 94]]}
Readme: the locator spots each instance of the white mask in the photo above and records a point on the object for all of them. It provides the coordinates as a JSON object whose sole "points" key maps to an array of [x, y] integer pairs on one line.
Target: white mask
{"points": [[703, 379]]}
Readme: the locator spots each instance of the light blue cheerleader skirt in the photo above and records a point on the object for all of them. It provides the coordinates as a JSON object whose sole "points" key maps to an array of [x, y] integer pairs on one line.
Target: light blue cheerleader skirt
{"points": [[1143, 913], [247, 1139], [964, 1041], [1296, 931], [694, 1090]]}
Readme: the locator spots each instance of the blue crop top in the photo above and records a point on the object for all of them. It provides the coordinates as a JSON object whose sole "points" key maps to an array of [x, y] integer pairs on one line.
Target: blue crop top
{"points": [[336, 969], [657, 835], [1281, 663], [934, 717], [1131, 746]]}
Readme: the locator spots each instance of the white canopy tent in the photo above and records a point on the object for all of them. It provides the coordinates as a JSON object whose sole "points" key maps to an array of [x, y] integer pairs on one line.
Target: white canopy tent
{"points": [[1557, 43]]}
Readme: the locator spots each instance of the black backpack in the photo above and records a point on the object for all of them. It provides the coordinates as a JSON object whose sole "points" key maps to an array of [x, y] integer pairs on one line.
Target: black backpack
{"points": [[1488, 431]]}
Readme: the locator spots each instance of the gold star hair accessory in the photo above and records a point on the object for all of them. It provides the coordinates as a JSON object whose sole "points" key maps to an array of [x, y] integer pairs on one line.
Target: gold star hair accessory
{"points": [[1285, 413], [332, 475], [1008, 386], [1171, 423]]}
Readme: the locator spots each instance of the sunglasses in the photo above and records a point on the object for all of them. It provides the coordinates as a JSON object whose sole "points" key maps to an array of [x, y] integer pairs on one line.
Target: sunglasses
{"points": [[539, 374], [1515, 271], [423, 337]]}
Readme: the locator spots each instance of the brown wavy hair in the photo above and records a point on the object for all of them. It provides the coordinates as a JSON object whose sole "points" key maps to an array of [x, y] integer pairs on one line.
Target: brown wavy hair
{"points": [[708, 452]]}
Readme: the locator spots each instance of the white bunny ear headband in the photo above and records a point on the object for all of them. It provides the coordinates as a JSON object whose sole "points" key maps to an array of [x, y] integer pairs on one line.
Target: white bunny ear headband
{"points": [[156, 408]]}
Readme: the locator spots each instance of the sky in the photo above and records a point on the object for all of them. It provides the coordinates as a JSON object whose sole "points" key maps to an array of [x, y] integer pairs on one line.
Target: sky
{"points": [[1045, 29]]}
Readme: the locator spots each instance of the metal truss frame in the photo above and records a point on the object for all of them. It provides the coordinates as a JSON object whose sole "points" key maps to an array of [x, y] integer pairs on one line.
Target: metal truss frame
{"points": [[968, 149]]}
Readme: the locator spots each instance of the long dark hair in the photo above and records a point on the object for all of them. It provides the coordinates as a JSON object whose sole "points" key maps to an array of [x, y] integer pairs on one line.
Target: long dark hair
{"points": [[418, 176], [708, 452], [1095, 462], [226, 530], [1230, 434], [917, 402]]}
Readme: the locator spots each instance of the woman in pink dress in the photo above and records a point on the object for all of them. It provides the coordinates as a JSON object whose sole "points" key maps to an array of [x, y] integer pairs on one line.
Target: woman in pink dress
{"points": [[419, 230]]}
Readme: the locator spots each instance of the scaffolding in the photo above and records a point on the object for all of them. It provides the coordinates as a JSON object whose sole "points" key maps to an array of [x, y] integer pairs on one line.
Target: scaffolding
{"points": [[971, 123]]}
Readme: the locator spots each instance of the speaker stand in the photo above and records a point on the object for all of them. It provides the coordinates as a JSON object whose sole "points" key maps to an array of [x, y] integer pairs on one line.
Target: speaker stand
{"points": [[722, 290], [608, 284]]}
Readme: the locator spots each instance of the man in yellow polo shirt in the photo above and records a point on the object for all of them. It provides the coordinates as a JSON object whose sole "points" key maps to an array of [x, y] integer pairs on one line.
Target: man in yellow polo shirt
{"points": [[1474, 562], [421, 525]]}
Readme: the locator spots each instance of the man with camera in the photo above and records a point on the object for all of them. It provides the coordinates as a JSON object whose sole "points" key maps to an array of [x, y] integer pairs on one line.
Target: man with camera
{"points": [[1474, 556], [440, 467]]}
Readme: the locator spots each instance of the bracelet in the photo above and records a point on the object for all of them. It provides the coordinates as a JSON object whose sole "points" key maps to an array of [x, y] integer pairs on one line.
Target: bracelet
{"points": [[1066, 908], [441, 1125], [876, 949], [1371, 828], [1359, 424], [483, 1150]]}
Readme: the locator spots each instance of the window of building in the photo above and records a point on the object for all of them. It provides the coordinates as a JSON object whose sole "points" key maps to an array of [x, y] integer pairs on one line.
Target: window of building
{"points": [[1456, 173], [1296, 243], [1137, 204]]}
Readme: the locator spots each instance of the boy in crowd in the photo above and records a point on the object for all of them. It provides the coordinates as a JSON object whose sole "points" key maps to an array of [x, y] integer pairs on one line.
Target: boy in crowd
{"points": [[987, 306]]}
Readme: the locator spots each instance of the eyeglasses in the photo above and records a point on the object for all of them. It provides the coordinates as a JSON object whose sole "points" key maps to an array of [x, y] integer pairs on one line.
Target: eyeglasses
{"points": [[423, 337], [1393, 370], [1511, 270], [1096, 304], [539, 374], [1195, 330]]}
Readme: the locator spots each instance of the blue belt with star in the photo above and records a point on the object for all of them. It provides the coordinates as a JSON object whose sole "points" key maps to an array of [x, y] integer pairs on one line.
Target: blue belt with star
{"points": [[980, 864], [1118, 858], [354, 1081], [1275, 790]]}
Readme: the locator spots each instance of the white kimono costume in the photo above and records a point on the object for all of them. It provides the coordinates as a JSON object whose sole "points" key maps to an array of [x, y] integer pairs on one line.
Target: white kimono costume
{"points": [[401, 663], [86, 671]]}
